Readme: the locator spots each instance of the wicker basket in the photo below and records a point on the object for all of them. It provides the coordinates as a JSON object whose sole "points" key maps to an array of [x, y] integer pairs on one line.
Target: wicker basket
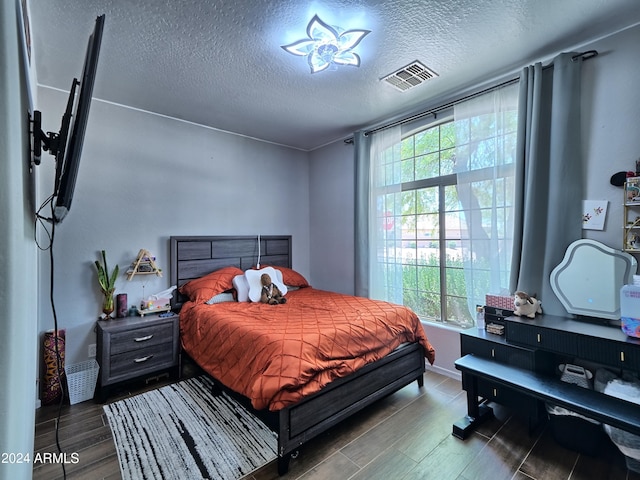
{"points": [[81, 380]]}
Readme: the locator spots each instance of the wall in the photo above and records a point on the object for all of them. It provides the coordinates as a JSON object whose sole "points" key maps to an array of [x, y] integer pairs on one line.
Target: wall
{"points": [[18, 322], [611, 140], [331, 189], [611, 124], [144, 178]]}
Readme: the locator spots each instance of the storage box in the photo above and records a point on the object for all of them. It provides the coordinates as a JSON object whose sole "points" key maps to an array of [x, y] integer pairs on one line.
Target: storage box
{"points": [[496, 315], [81, 380], [499, 301]]}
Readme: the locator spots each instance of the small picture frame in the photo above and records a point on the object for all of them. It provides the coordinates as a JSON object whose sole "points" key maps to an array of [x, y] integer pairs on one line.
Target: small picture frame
{"points": [[594, 214]]}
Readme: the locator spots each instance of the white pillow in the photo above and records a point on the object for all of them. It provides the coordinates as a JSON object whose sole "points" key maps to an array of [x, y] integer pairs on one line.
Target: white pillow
{"points": [[242, 287], [221, 298], [255, 287], [278, 276]]}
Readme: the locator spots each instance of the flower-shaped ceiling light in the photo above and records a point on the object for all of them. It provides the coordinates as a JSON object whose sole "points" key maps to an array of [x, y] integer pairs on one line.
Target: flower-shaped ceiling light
{"points": [[327, 45]]}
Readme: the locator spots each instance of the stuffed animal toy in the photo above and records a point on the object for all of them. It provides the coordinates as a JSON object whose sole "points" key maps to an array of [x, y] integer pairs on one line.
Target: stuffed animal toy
{"points": [[526, 306], [271, 294]]}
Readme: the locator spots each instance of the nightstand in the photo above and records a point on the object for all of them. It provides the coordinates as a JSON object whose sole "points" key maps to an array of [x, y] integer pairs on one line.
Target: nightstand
{"points": [[133, 347]]}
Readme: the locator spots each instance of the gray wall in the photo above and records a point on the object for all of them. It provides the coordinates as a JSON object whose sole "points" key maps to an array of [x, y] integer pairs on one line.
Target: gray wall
{"points": [[18, 284], [611, 124], [331, 189], [144, 178]]}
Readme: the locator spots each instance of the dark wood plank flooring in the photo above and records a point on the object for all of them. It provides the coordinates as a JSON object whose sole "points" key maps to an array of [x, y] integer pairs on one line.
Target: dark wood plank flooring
{"points": [[404, 436]]}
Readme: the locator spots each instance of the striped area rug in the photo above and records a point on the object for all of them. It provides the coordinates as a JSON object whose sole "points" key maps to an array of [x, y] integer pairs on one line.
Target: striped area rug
{"points": [[183, 431]]}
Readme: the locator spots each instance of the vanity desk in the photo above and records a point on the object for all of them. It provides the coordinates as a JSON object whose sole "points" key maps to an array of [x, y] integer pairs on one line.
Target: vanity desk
{"points": [[518, 370]]}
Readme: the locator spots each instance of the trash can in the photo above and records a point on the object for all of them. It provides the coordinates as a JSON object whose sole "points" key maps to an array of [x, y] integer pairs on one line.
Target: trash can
{"points": [[81, 380], [570, 429]]}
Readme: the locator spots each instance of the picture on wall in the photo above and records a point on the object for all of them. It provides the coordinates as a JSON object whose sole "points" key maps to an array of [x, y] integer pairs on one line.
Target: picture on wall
{"points": [[594, 214]]}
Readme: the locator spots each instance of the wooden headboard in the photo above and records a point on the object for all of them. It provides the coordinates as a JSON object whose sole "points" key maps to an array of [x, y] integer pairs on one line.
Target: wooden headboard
{"points": [[194, 256]]}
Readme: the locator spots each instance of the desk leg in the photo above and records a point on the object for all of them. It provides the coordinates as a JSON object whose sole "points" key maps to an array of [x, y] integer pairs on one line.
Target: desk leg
{"points": [[283, 464], [476, 412]]}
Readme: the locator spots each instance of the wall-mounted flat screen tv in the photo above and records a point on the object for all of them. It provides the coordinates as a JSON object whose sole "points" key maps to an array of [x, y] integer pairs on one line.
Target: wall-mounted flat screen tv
{"points": [[66, 145]]}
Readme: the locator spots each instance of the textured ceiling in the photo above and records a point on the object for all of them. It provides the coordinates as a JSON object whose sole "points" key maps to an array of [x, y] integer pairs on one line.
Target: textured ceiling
{"points": [[220, 63]]}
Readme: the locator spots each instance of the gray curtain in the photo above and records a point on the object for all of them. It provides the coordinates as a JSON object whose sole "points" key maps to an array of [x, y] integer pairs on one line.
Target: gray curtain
{"points": [[361, 151], [549, 175]]}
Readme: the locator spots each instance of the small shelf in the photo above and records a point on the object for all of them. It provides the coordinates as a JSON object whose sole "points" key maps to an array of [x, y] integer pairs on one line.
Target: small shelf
{"points": [[144, 264], [631, 220]]}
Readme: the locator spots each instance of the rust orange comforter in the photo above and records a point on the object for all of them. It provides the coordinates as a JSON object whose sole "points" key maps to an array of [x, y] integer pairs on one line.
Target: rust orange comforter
{"points": [[277, 354]]}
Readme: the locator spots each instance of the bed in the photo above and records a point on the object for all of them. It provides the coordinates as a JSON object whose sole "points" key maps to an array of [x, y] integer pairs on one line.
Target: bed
{"points": [[331, 382]]}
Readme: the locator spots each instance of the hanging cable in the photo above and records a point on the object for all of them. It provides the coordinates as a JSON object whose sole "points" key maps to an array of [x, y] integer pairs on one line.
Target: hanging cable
{"points": [[50, 233], [258, 263], [59, 368]]}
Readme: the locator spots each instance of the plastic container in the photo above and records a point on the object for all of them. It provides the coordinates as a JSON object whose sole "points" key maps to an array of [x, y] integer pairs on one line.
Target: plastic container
{"points": [[630, 310], [480, 317]]}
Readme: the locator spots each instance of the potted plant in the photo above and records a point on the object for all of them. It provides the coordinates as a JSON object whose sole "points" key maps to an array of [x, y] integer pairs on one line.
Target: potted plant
{"points": [[107, 283]]}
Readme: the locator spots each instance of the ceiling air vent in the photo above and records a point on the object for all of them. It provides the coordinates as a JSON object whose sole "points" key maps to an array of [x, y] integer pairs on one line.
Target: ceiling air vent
{"points": [[410, 76]]}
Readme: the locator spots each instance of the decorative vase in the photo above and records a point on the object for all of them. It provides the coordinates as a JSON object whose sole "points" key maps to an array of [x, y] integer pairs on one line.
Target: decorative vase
{"points": [[54, 371], [107, 305], [122, 310]]}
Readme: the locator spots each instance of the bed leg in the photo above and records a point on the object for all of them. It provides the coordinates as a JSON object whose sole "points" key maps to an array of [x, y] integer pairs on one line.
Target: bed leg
{"points": [[420, 380], [216, 390], [283, 464]]}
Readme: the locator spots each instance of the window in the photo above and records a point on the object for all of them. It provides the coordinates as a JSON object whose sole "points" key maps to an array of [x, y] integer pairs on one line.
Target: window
{"points": [[443, 200]]}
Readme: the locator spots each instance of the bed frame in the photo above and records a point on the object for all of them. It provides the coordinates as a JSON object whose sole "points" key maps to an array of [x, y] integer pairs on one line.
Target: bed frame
{"points": [[194, 256]]}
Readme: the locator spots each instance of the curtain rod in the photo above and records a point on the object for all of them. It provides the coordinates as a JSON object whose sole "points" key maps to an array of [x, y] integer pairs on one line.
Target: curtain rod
{"points": [[584, 56]]}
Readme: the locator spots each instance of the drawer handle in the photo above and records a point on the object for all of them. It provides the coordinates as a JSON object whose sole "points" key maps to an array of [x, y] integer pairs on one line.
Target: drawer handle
{"points": [[143, 339], [495, 392], [493, 353], [143, 359], [622, 356], [538, 338]]}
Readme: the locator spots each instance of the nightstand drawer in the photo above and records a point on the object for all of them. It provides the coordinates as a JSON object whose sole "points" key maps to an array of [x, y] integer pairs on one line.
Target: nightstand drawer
{"points": [[142, 359], [145, 337]]}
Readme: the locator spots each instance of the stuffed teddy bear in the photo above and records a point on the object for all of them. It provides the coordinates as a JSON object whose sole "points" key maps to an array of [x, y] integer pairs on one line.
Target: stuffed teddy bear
{"points": [[526, 306], [270, 294]]}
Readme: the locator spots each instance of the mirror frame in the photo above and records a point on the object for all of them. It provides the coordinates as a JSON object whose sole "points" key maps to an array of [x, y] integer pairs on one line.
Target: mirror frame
{"points": [[588, 282]]}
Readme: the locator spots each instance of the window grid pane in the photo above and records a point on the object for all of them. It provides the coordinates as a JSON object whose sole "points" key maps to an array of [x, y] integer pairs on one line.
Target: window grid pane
{"points": [[426, 225]]}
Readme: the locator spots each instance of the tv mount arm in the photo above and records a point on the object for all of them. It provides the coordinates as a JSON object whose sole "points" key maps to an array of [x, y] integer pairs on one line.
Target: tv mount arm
{"points": [[48, 141], [52, 142]]}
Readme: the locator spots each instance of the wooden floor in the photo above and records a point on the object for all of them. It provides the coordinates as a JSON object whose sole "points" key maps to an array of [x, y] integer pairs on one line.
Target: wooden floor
{"points": [[404, 436]]}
